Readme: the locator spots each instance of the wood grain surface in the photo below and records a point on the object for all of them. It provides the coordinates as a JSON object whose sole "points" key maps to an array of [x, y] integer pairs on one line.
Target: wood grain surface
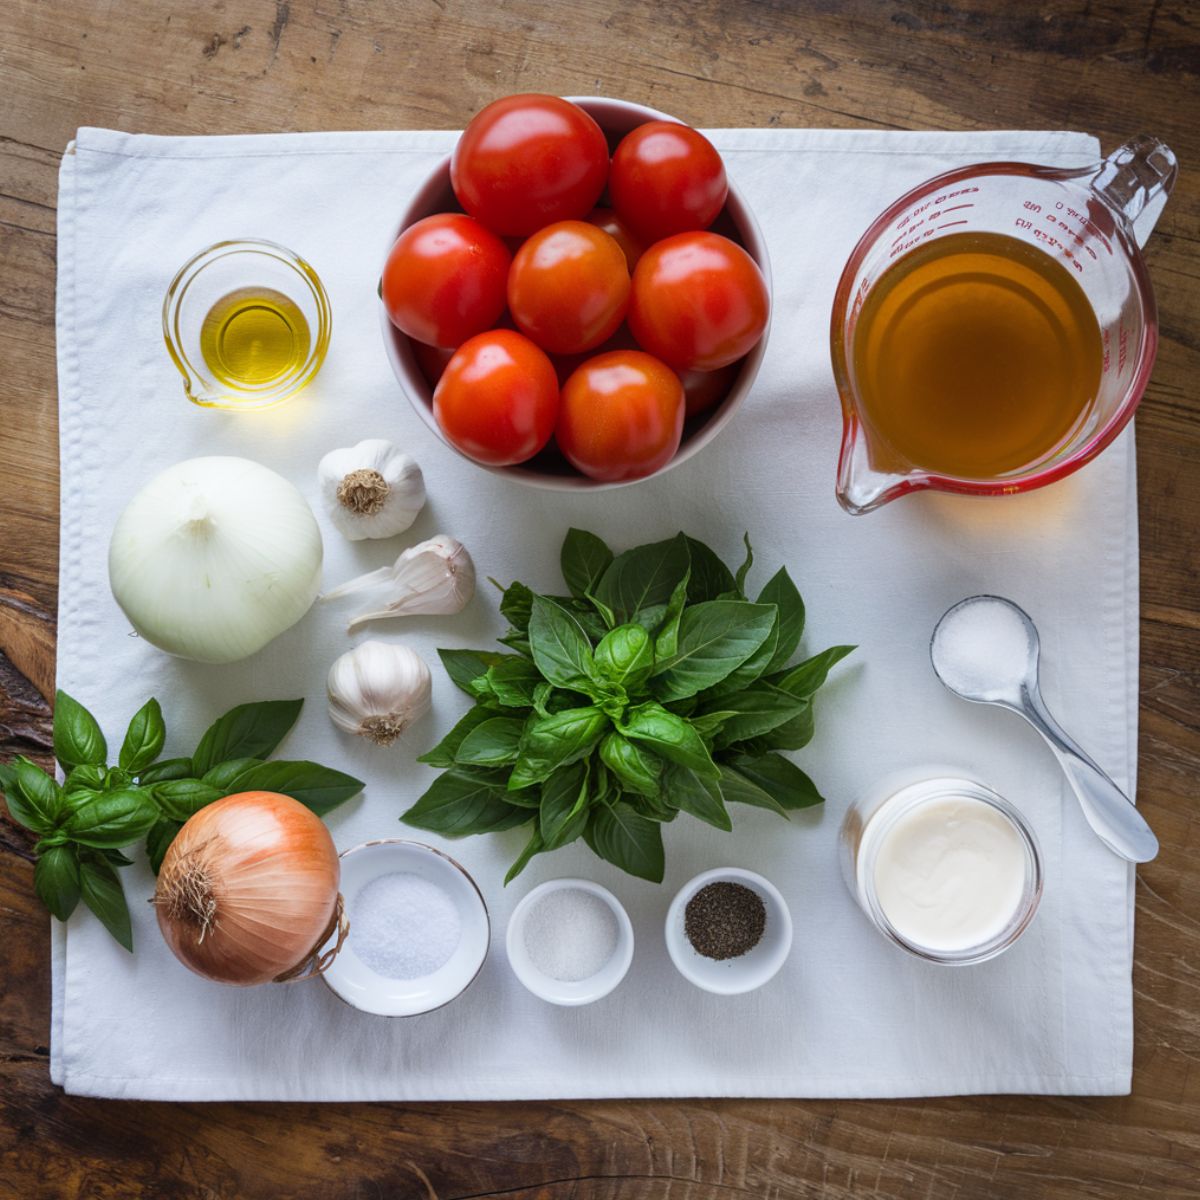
{"points": [[1109, 67]]}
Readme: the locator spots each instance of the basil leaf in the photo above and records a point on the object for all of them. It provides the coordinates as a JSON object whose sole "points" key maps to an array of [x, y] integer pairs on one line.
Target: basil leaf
{"points": [[87, 778], [34, 799], [584, 559], [708, 724], [169, 768], [638, 770], [736, 788], [643, 576], [158, 841], [492, 743], [562, 815], [700, 797], [101, 892], [77, 736], [143, 739], [532, 847], [247, 731], [625, 655], [56, 880], [463, 666], [227, 775], [517, 640], [442, 755], [110, 820], [806, 677], [179, 799], [668, 735], [667, 630], [465, 800], [620, 835], [512, 683], [780, 778], [560, 647], [318, 788], [711, 578], [752, 668], [116, 858], [794, 734], [782, 592], [516, 604], [757, 710], [715, 638], [739, 580], [556, 741]]}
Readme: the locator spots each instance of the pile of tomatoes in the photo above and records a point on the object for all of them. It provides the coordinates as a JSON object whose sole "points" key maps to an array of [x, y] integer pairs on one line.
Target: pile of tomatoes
{"points": [[540, 315]]}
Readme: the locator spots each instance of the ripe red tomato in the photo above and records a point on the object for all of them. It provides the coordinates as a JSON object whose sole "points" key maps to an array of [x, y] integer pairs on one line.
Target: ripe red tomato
{"points": [[431, 359], [528, 160], [699, 301], [444, 280], [567, 364], [703, 390], [497, 400], [616, 228], [667, 178], [568, 287], [621, 416]]}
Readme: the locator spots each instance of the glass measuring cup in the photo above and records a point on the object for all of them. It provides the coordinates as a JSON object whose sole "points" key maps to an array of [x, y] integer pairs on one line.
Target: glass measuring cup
{"points": [[1093, 221], [220, 273]]}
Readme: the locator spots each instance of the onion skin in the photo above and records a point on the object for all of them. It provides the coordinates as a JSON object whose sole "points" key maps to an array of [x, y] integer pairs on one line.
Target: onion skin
{"points": [[248, 888]]}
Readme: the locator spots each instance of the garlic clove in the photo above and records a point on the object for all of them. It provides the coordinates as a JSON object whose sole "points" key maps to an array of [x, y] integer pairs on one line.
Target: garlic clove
{"points": [[371, 490], [377, 690], [437, 577]]}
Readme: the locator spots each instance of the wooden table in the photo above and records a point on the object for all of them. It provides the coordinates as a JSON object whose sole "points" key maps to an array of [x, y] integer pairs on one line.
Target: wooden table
{"points": [[239, 66]]}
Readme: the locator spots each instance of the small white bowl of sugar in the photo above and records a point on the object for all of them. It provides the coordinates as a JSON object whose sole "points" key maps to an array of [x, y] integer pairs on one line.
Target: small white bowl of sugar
{"points": [[419, 929], [569, 941]]}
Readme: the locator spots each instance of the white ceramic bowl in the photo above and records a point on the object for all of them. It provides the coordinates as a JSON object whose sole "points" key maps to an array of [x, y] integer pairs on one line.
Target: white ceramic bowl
{"points": [[358, 984], [558, 991], [549, 469], [731, 976]]}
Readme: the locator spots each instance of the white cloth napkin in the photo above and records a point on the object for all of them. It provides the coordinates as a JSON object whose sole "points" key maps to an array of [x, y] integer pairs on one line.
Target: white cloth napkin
{"points": [[849, 1015]]}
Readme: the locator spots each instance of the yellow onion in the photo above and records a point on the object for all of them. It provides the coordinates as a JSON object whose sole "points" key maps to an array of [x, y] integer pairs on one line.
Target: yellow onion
{"points": [[248, 891]]}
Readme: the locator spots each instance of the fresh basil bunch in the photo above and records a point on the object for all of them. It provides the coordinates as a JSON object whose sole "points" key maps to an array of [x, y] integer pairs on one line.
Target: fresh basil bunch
{"points": [[84, 823], [656, 687]]}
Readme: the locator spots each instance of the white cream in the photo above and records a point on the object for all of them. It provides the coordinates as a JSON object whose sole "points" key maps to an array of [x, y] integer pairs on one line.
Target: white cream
{"points": [[950, 873]]}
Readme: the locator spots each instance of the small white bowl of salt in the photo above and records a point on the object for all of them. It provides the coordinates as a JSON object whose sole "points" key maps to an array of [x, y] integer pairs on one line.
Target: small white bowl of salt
{"points": [[419, 929], [569, 941]]}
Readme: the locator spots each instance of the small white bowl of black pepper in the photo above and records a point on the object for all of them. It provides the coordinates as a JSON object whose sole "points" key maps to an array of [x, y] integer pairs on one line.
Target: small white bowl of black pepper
{"points": [[728, 931]]}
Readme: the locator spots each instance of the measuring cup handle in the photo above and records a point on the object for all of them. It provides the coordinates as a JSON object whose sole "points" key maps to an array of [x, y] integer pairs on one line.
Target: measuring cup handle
{"points": [[1136, 180]]}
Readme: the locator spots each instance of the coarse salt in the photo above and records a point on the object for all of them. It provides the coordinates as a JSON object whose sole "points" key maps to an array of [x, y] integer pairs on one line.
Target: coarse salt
{"points": [[570, 934], [982, 647], [404, 927]]}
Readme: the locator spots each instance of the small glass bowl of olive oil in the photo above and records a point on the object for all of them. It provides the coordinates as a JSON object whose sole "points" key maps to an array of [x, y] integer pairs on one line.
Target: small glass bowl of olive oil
{"points": [[247, 323]]}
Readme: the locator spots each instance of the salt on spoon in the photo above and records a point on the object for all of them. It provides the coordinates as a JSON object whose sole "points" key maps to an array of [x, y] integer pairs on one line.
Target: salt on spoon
{"points": [[985, 649]]}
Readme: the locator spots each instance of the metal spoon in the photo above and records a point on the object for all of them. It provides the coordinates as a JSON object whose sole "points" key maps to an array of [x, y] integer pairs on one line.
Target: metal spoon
{"points": [[985, 649]]}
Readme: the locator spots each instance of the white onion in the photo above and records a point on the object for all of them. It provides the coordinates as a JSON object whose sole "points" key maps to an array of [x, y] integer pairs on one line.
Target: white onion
{"points": [[214, 557]]}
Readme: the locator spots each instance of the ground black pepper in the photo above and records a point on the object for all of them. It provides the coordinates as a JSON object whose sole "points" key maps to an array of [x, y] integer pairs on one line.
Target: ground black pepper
{"points": [[724, 920]]}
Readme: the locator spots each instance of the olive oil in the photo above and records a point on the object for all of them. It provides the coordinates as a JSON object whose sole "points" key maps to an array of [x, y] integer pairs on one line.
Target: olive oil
{"points": [[254, 337], [976, 355]]}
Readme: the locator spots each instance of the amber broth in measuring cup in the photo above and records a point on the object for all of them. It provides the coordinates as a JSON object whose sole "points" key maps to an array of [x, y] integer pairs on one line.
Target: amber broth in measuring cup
{"points": [[976, 354]]}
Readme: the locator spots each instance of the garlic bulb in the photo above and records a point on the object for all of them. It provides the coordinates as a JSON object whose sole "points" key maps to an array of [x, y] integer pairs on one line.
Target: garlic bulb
{"points": [[371, 490], [378, 690], [214, 557], [436, 576]]}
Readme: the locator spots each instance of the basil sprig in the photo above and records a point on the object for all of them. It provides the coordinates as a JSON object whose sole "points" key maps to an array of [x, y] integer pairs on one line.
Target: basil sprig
{"points": [[84, 823], [656, 686]]}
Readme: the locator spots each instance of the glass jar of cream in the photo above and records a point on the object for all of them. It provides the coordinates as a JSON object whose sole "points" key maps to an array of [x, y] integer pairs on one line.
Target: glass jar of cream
{"points": [[943, 866]]}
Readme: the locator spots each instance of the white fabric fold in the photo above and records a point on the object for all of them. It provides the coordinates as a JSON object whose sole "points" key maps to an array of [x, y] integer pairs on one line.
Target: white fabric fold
{"points": [[849, 1015]]}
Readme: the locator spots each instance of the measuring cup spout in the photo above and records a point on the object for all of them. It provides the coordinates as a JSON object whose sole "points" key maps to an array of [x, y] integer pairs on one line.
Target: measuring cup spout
{"points": [[1135, 180], [862, 485]]}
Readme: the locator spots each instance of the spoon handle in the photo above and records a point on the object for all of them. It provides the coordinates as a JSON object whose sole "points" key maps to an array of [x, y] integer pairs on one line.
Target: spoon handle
{"points": [[1108, 810]]}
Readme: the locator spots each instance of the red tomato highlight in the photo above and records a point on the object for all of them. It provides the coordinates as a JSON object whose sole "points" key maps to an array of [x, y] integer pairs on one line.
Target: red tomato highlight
{"points": [[621, 416], [444, 280], [528, 160], [497, 400], [699, 301], [667, 178], [568, 287]]}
